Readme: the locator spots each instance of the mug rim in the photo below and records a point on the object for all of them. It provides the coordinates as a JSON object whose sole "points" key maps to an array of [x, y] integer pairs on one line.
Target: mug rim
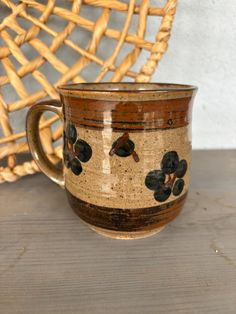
{"points": [[125, 87], [127, 91]]}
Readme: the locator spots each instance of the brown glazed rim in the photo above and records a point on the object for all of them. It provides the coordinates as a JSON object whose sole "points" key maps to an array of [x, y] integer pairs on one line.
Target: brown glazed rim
{"points": [[127, 91]]}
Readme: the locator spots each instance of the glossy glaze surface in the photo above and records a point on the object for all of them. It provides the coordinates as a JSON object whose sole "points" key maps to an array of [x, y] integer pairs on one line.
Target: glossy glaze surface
{"points": [[114, 181], [126, 152], [130, 134]]}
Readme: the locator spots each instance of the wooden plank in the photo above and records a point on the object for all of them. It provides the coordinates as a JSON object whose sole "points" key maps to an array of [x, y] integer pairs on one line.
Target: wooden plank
{"points": [[50, 262]]}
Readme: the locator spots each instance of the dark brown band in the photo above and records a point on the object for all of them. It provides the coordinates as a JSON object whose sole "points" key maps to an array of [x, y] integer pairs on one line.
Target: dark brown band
{"points": [[129, 116], [129, 220]]}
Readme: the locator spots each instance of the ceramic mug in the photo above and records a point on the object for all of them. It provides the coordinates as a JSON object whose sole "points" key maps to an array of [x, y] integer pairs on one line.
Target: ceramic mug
{"points": [[127, 152]]}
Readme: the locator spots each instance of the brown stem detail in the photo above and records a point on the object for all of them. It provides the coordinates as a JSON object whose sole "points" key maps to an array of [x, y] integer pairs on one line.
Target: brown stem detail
{"points": [[124, 138], [135, 156], [70, 149], [170, 180], [123, 141], [69, 146]]}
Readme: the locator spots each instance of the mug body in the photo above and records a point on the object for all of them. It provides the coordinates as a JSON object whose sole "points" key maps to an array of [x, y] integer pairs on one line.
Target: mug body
{"points": [[127, 154]]}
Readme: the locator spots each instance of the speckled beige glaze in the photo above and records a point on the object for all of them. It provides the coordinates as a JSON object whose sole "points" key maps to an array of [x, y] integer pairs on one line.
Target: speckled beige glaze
{"points": [[118, 182]]}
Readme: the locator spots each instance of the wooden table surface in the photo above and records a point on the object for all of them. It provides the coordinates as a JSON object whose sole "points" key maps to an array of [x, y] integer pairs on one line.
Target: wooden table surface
{"points": [[50, 262]]}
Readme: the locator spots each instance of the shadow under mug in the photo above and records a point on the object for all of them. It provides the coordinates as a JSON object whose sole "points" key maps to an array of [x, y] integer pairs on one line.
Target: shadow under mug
{"points": [[126, 152]]}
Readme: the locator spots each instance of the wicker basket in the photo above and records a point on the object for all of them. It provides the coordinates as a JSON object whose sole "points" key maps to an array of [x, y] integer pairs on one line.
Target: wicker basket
{"points": [[18, 39]]}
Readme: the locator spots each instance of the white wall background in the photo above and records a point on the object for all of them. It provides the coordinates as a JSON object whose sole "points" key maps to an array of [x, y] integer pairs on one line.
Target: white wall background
{"points": [[201, 52]]}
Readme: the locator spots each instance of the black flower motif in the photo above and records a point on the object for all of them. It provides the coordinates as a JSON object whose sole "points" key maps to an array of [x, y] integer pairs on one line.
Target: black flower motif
{"points": [[124, 147], [168, 179], [75, 150]]}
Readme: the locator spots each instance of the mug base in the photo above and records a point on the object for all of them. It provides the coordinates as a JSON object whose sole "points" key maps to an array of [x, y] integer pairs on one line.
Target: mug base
{"points": [[116, 222], [122, 235]]}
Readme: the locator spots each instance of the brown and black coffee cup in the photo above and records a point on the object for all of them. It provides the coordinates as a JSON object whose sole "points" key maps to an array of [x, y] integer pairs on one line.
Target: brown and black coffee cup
{"points": [[127, 153]]}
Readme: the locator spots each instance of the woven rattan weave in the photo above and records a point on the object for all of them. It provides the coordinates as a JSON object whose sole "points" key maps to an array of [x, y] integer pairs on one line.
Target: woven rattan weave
{"points": [[24, 23]]}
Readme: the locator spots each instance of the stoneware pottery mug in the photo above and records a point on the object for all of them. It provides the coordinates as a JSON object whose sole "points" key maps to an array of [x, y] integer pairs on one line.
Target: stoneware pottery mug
{"points": [[127, 152]]}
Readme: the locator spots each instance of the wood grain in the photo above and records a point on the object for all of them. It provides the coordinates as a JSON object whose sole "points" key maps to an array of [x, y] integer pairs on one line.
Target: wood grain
{"points": [[51, 262]]}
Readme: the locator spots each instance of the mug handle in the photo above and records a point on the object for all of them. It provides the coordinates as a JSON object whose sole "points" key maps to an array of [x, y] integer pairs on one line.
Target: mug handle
{"points": [[32, 130]]}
